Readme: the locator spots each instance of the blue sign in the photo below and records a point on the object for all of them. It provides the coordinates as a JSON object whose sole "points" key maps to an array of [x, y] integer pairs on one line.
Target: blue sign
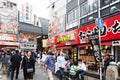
{"points": [[100, 23]]}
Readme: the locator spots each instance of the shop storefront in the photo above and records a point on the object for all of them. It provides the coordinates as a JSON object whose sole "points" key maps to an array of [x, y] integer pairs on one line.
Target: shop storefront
{"points": [[67, 43], [110, 33], [8, 40], [28, 41], [78, 39]]}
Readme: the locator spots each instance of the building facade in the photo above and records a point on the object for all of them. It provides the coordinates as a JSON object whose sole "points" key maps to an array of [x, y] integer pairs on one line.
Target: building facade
{"points": [[57, 20], [8, 24], [81, 18]]}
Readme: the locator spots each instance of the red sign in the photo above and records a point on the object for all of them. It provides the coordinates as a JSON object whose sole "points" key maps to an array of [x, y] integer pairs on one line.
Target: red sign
{"points": [[9, 43], [8, 37], [68, 38], [111, 30]]}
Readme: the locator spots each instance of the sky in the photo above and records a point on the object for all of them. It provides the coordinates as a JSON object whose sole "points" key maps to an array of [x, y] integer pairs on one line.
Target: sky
{"points": [[40, 7]]}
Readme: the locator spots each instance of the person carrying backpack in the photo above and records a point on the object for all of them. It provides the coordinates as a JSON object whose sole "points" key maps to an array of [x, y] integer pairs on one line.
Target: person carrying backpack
{"points": [[50, 62], [15, 64]]}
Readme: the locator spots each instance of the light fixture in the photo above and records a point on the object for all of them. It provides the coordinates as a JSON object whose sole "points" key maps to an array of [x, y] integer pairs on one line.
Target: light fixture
{"points": [[91, 48], [106, 47]]}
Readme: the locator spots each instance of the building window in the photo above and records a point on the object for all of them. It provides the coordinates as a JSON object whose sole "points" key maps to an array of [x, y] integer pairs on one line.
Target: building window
{"points": [[68, 1], [72, 15], [104, 2], [93, 5], [76, 13], [84, 9]]}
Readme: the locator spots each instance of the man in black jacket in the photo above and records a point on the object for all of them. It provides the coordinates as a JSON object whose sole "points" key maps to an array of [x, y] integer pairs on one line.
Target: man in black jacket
{"points": [[15, 61]]}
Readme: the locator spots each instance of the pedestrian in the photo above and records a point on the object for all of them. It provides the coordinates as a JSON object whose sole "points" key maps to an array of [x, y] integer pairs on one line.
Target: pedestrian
{"points": [[50, 62], [44, 56], [81, 69], [34, 56], [15, 64], [5, 62], [107, 60], [28, 66], [38, 59], [61, 64]]}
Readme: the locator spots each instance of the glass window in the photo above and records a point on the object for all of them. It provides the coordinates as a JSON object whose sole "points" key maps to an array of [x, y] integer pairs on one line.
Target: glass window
{"points": [[76, 13], [68, 1], [93, 4], [84, 9], [70, 16]]}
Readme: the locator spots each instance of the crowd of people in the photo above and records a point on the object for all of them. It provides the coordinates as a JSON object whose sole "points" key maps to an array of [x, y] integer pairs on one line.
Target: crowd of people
{"points": [[60, 64]]}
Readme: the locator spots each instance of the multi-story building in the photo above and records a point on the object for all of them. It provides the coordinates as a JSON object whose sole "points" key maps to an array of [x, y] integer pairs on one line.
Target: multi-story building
{"points": [[57, 19], [8, 24], [81, 20]]}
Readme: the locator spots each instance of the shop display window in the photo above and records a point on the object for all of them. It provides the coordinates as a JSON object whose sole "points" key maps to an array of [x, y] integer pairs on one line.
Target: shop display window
{"points": [[106, 50]]}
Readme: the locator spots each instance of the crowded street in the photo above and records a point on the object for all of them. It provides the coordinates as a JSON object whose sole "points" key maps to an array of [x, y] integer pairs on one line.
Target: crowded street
{"points": [[39, 75], [59, 39]]}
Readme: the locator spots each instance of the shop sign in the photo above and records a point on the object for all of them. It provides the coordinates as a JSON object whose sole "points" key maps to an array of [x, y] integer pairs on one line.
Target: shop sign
{"points": [[110, 30], [116, 43], [75, 55], [8, 37], [66, 38]]}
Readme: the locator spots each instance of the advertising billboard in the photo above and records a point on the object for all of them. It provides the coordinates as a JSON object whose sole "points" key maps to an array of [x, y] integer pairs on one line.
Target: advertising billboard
{"points": [[8, 17]]}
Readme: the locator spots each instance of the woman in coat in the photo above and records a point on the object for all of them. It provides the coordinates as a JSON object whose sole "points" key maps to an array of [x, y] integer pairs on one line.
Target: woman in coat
{"points": [[28, 63]]}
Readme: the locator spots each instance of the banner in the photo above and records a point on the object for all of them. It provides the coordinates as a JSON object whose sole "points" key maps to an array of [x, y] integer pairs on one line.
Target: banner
{"points": [[94, 40], [75, 55]]}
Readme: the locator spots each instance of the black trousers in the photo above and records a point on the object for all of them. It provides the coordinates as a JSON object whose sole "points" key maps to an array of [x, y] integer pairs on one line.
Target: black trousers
{"points": [[13, 70]]}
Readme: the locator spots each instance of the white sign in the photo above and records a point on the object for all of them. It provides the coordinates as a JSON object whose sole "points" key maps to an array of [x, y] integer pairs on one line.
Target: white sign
{"points": [[116, 43]]}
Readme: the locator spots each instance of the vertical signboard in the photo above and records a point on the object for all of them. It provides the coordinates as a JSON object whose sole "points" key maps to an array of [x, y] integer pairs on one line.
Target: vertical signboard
{"points": [[75, 55], [94, 40]]}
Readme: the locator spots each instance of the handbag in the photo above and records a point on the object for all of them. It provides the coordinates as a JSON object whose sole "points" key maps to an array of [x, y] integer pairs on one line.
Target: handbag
{"points": [[29, 70]]}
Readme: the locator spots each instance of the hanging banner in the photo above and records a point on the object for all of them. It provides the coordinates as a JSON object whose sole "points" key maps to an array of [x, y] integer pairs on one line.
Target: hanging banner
{"points": [[75, 55], [94, 40]]}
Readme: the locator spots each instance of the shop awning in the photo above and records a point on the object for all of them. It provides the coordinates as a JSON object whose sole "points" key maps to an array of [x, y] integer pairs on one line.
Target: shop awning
{"points": [[103, 43], [64, 47], [106, 43], [4, 43]]}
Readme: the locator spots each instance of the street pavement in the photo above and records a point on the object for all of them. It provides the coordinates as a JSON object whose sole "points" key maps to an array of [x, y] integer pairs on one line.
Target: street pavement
{"points": [[39, 75]]}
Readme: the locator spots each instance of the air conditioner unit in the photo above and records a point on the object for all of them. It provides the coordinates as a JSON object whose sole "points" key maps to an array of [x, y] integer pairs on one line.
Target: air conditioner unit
{"points": [[113, 8]]}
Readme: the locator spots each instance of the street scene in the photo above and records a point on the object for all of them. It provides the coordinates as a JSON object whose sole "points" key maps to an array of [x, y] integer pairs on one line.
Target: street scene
{"points": [[59, 39]]}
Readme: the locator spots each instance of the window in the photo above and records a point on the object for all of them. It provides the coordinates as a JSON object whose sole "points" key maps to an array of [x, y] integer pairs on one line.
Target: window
{"points": [[93, 4], [76, 13], [70, 16], [105, 2], [84, 9], [68, 1]]}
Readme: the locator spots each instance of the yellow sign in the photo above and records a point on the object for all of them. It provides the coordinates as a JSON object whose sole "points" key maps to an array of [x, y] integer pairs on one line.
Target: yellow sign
{"points": [[66, 38]]}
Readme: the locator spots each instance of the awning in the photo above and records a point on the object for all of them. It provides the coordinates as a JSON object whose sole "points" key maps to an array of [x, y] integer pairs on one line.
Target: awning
{"points": [[4, 43], [102, 43], [83, 45], [64, 47]]}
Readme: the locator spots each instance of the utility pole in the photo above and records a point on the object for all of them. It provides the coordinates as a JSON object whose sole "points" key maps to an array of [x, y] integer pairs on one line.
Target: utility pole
{"points": [[100, 63]]}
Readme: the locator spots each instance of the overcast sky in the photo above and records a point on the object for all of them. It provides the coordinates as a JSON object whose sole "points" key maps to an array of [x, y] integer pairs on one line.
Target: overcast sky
{"points": [[40, 7]]}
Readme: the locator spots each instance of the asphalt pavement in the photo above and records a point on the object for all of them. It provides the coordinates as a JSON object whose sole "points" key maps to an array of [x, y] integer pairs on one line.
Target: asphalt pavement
{"points": [[39, 75]]}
